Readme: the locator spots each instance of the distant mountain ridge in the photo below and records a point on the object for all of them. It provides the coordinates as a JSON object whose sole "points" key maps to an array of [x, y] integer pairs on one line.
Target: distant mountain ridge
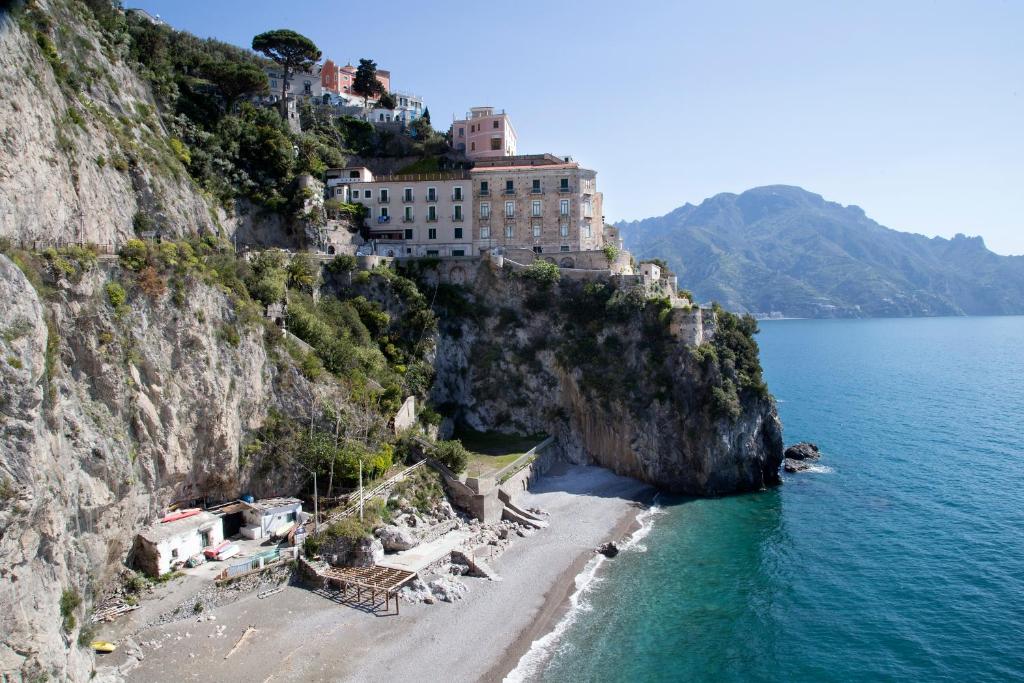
{"points": [[781, 250]]}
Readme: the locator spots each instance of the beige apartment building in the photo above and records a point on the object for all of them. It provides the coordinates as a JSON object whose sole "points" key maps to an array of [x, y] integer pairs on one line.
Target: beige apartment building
{"points": [[410, 215], [539, 202]]}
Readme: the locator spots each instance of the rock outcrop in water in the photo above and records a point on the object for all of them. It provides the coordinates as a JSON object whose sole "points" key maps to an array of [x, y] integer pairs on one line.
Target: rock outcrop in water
{"points": [[800, 457]]}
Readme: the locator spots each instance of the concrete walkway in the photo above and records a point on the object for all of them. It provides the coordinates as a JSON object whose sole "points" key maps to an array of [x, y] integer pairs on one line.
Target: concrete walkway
{"points": [[418, 558]]}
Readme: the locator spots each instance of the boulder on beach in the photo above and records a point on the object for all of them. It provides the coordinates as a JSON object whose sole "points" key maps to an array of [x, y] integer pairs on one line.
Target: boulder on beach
{"points": [[609, 549], [396, 538]]}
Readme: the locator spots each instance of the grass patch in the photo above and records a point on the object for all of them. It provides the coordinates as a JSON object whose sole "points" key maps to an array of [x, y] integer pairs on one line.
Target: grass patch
{"points": [[489, 452]]}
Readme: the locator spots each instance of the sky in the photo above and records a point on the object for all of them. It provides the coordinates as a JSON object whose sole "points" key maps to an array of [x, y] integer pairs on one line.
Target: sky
{"points": [[912, 110]]}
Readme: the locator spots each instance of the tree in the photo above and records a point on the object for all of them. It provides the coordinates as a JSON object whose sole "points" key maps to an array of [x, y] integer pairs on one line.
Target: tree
{"points": [[421, 128], [366, 84], [426, 115], [291, 51], [234, 80], [387, 101]]}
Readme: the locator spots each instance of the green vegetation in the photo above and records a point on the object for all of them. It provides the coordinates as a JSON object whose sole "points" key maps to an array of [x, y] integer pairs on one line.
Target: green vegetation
{"points": [[70, 601], [452, 454], [610, 252], [289, 50], [542, 272], [116, 294], [365, 83]]}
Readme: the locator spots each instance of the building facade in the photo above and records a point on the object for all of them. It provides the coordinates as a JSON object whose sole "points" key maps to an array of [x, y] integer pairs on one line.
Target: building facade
{"points": [[300, 83], [484, 134], [410, 215], [540, 202], [339, 79]]}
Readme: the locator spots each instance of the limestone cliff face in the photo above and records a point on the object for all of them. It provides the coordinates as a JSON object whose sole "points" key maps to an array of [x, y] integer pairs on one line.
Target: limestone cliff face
{"points": [[105, 418], [78, 167], [611, 396]]}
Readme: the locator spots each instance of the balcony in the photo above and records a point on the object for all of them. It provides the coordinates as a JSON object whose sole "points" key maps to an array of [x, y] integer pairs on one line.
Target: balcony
{"points": [[407, 198], [564, 189], [431, 197], [483, 193], [509, 192], [457, 197], [383, 219], [431, 219], [536, 190], [407, 219], [457, 219], [385, 199], [485, 219]]}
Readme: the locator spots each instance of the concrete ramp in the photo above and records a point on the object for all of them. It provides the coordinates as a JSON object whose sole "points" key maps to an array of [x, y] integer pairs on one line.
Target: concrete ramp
{"points": [[516, 514], [422, 556]]}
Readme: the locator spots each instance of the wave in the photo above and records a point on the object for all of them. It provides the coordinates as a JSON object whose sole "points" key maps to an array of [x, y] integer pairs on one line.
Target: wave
{"points": [[543, 648]]}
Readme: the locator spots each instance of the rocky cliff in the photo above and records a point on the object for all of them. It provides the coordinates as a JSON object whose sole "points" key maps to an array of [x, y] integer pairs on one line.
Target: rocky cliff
{"points": [[599, 370]]}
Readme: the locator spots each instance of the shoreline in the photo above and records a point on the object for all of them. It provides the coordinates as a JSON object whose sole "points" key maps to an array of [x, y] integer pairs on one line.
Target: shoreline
{"points": [[302, 634], [557, 599]]}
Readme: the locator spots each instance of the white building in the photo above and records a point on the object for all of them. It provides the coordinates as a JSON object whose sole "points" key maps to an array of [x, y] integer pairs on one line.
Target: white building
{"points": [[163, 546], [262, 517]]}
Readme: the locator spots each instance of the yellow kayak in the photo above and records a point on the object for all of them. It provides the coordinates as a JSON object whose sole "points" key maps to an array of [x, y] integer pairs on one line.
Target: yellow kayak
{"points": [[102, 646]]}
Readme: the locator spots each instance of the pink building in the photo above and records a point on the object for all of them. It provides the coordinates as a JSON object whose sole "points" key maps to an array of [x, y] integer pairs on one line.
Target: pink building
{"points": [[339, 79], [484, 134]]}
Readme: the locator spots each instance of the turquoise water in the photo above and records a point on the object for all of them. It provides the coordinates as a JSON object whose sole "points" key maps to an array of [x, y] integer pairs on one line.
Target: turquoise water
{"points": [[903, 562]]}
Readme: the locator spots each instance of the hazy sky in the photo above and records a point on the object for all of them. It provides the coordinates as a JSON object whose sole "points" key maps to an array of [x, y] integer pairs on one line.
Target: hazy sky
{"points": [[912, 110]]}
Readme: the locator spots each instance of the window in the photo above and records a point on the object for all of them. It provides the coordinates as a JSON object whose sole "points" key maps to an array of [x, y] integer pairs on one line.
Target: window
{"points": [[509, 231], [174, 552], [457, 194], [510, 209], [384, 195], [485, 210], [563, 185], [485, 232], [586, 230], [458, 252], [432, 252], [432, 213], [383, 212], [535, 211], [367, 194], [408, 233], [407, 194], [510, 187], [458, 233], [353, 174], [472, 146], [484, 188], [564, 247], [536, 229], [432, 233], [462, 132], [458, 213], [536, 186], [588, 210], [497, 124], [408, 214], [495, 144], [563, 230], [538, 249], [431, 194], [563, 207]]}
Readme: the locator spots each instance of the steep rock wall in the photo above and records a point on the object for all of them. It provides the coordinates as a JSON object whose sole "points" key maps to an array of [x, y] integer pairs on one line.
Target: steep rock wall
{"points": [[625, 396], [105, 418]]}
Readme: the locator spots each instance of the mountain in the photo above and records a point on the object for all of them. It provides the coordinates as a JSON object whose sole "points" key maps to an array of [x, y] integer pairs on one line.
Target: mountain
{"points": [[783, 250]]}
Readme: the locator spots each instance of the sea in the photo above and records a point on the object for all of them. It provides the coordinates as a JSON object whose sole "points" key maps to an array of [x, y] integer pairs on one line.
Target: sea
{"points": [[900, 557]]}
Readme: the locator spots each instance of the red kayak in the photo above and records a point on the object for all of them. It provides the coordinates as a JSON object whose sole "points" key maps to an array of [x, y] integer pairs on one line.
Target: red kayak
{"points": [[213, 551], [180, 514]]}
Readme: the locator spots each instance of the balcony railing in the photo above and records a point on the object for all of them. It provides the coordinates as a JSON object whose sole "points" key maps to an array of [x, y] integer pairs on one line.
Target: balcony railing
{"points": [[457, 219], [431, 219], [485, 218], [564, 189], [483, 193], [385, 199], [407, 219], [407, 198], [457, 197], [509, 191], [536, 190], [383, 219], [431, 197]]}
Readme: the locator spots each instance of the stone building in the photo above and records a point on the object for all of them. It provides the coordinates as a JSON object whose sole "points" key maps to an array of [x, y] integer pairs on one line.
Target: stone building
{"points": [[161, 547], [539, 201], [410, 215]]}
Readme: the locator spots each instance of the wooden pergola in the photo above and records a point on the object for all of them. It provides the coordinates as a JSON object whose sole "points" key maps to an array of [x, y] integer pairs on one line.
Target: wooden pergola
{"points": [[376, 582]]}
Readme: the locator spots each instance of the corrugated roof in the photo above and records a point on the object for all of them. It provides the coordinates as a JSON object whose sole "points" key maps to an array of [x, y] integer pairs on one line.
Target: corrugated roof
{"points": [[164, 530]]}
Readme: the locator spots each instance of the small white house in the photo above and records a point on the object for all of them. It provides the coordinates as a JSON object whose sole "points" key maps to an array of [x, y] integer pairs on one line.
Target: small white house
{"points": [[160, 547], [262, 517]]}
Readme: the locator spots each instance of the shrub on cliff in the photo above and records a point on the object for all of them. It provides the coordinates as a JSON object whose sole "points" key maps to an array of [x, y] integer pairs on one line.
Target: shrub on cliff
{"points": [[542, 272], [116, 294], [451, 454]]}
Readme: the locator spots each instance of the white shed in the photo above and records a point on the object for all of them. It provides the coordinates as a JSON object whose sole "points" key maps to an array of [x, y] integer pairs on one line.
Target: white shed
{"points": [[162, 546], [263, 516]]}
